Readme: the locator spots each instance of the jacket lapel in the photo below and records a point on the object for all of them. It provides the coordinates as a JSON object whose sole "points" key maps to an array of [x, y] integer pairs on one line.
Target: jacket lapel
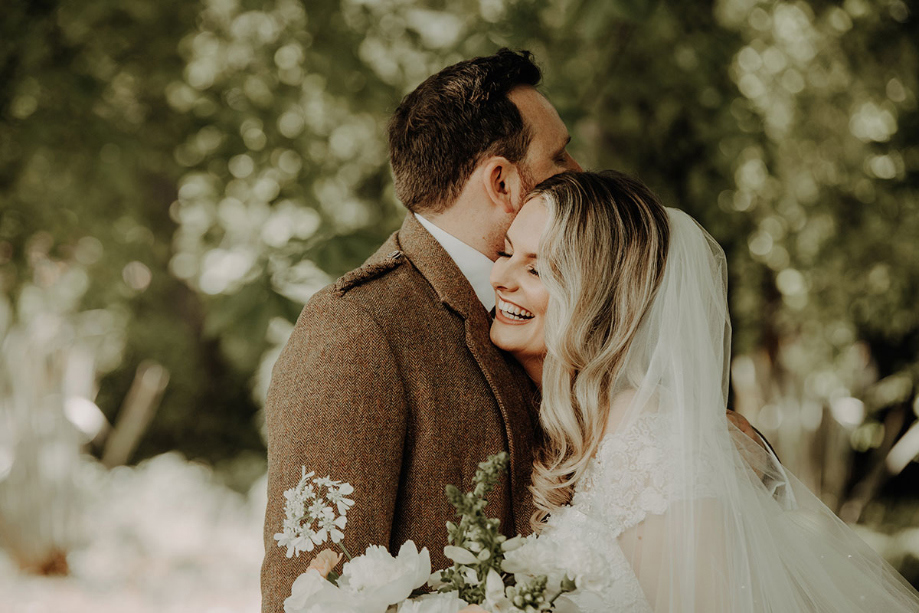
{"points": [[512, 389]]}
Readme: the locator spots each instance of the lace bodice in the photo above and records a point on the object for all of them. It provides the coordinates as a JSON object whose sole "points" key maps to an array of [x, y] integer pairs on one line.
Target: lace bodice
{"points": [[631, 476]]}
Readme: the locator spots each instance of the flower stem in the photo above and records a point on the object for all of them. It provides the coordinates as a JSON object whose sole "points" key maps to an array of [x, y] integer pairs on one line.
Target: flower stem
{"points": [[344, 549]]}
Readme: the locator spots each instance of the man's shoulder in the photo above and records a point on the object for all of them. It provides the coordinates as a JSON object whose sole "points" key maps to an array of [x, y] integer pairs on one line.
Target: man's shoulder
{"points": [[375, 273], [383, 286]]}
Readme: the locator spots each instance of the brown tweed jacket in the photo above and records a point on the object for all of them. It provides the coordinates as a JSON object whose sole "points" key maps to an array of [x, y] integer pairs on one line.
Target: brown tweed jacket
{"points": [[390, 382]]}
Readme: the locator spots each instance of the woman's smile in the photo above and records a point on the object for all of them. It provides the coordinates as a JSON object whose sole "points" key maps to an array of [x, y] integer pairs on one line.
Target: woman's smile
{"points": [[511, 313]]}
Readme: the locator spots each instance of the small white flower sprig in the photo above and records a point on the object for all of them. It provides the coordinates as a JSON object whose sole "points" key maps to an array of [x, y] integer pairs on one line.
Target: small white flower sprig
{"points": [[316, 512]]}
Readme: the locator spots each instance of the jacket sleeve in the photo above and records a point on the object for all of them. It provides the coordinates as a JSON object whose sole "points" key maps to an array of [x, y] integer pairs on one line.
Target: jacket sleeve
{"points": [[336, 405]]}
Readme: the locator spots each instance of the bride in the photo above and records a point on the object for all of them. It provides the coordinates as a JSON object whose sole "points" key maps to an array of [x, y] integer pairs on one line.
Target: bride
{"points": [[616, 307]]}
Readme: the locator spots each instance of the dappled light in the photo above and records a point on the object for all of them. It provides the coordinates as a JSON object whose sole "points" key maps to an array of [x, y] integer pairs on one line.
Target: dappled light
{"points": [[177, 179]]}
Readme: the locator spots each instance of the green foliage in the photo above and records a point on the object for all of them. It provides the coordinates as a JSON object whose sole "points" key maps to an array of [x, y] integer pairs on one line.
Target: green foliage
{"points": [[476, 534], [86, 179], [478, 551], [211, 164]]}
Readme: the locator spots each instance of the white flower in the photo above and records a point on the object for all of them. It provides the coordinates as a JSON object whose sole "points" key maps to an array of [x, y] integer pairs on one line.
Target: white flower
{"points": [[318, 508], [330, 527], [529, 557], [556, 557], [377, 580], [537, 556], [305, 542], [309, 591], [495, 599], [286, 539], [433, 603], [512, 544], [460, 555], [310, 513], [337, 496], [436, 580], [325, 482], [590, 571], [334, 526], [470, 576]]}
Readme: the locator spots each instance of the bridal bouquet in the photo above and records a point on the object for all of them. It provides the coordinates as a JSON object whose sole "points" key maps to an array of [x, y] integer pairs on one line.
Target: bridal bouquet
{"points": [[490, 571]]}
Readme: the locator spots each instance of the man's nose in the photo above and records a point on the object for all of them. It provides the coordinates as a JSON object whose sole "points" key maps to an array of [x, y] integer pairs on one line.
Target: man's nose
{"points": [[573, 163]]}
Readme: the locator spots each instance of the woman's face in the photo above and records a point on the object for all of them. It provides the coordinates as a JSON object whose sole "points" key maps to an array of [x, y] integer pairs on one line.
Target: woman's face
{"points": [[521, 297]]}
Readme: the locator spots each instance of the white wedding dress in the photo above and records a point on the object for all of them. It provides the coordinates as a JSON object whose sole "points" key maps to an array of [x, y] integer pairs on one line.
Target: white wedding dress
{"points": [[625, 482], [680, 512]]}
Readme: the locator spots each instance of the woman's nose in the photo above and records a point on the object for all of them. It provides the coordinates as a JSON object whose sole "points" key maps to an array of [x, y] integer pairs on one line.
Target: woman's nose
{"points": [[501, 277]]}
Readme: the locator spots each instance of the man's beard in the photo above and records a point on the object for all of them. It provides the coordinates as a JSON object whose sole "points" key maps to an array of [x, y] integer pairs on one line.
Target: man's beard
{"points": [[527, 183]]}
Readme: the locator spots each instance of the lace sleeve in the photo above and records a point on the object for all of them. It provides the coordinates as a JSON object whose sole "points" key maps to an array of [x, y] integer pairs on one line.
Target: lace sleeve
{"points": [[632, 475]]}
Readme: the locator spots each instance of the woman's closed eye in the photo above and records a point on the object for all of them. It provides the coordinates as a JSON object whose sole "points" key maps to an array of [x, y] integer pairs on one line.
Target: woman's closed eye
{"points": [[504, 254]]}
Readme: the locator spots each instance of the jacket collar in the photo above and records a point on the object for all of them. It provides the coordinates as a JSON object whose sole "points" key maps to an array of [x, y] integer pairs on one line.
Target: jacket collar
{"points": [[509, 383], [436, 265]]}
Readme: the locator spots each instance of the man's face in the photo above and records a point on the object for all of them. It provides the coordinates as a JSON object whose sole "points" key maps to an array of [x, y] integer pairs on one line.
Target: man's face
{"points": [[547, 155]]}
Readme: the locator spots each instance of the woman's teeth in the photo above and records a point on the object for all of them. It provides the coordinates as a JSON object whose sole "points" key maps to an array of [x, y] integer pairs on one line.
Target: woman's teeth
{"points": [[512, 311]]}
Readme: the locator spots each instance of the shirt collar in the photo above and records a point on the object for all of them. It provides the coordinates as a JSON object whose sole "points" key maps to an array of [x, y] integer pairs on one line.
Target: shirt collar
{"points": [[475, 265]]}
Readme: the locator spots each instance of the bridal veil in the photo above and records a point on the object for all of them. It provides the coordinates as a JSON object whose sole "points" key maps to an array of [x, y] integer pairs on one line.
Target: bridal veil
{"points": [[725, 528]]}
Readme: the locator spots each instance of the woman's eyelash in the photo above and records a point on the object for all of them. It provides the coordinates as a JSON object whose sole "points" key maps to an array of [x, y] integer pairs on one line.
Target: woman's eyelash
{"points": [[533, 271], [503, 254]]}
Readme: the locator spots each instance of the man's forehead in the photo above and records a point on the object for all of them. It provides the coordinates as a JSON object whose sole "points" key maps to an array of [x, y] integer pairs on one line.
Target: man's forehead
{"points": [[539, 114]]}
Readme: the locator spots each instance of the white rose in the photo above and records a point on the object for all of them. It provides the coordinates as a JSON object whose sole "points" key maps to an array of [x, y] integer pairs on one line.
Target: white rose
{"points": [[532, 558], [311, 590], [333, 607], [590, 571], [377, 580], [557, 557], [512, 544], [433, 603]]}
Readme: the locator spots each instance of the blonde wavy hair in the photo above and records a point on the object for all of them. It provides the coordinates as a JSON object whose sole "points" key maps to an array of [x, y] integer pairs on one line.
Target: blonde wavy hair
{"points": [[601, 258]]}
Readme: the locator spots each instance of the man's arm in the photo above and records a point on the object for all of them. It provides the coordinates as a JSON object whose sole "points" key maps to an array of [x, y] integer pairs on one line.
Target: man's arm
{"points": [[336, 405], [741, 423]]}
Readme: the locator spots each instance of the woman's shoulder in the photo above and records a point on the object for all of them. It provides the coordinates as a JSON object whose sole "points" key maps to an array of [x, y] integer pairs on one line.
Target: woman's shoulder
{"points": [[630, 476], [626, 407]]}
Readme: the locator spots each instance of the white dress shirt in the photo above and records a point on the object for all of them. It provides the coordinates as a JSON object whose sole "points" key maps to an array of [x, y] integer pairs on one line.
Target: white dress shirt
{"points": [[475, 265]]}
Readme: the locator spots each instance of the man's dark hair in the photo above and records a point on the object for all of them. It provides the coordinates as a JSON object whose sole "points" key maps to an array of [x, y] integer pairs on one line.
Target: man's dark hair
{"points": [[451, 121]]}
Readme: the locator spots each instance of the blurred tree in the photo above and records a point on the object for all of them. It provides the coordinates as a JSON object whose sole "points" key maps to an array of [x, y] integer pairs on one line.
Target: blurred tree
{"points": [[87, 174], [217, 162]]}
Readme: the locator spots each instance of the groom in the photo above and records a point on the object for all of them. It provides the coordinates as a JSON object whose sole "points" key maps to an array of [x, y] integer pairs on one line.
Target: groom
{"points": [[389, 380]]}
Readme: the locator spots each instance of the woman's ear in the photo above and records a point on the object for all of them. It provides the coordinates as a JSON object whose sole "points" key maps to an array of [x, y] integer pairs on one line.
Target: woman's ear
{"points": [[502, 184]]}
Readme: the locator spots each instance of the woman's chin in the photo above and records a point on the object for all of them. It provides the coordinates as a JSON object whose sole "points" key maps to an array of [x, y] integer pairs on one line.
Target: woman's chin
{"points": [[496, 336], [502, 338]]}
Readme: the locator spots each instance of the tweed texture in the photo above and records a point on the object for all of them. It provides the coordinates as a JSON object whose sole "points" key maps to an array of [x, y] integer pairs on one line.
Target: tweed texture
{"points": [[389, 381]]}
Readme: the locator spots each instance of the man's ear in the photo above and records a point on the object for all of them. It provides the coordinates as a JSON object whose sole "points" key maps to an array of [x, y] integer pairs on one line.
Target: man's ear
{"points": [[502, 183]]}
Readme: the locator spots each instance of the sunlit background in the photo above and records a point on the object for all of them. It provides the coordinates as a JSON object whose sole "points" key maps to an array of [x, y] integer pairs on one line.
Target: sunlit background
{"points": [[177, 178]]}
